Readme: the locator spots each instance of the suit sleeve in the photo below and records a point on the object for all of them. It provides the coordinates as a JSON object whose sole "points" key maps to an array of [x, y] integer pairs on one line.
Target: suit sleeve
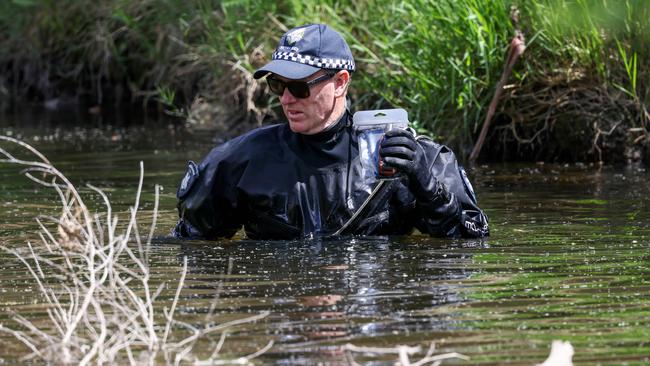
{"points": [[207, 199], [451, 209]]}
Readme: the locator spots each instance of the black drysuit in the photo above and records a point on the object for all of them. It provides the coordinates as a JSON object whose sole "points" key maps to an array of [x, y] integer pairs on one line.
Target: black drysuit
{"points": [[283, 185]]}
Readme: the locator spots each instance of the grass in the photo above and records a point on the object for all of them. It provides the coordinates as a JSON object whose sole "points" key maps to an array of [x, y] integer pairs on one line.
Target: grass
{"points": [[440, 60]]}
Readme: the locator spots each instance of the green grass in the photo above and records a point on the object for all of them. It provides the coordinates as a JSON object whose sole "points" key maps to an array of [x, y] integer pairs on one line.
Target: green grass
{"points": [[440, 60]]}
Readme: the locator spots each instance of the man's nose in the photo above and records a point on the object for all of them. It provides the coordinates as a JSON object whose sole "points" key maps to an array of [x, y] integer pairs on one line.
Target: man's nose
{"points": [[287, 97]]}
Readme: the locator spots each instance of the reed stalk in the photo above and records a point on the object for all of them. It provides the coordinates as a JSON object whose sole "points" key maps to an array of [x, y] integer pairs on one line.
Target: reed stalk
{"points": [[102, 311]]}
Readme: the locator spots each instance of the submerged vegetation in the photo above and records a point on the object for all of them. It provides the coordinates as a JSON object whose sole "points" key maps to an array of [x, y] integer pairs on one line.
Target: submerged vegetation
{"points": [[580, 92]]}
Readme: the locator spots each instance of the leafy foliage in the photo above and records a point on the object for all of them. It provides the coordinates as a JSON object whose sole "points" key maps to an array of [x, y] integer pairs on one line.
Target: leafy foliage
{"points": [[438, 59]]}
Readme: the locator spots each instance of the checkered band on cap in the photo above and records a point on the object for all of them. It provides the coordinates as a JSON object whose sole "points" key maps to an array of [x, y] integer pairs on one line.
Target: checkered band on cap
{"points": [[323, 63]]}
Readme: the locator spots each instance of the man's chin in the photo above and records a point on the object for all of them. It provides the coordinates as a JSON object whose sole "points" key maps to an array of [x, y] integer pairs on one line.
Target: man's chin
{"points": [[298, 127]]}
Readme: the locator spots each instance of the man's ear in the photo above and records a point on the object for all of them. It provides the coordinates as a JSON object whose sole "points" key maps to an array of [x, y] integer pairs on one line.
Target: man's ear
{"points": [[341, 82]]}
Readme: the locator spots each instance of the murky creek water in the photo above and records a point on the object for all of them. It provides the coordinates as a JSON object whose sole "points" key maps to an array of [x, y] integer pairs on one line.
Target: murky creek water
{"points": [[568, 259]]}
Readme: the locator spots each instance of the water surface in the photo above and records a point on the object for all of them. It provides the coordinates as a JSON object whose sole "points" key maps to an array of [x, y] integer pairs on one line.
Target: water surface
{"points": [[567, 259]]}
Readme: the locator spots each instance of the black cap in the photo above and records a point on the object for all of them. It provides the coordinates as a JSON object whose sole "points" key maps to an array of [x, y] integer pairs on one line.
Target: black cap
{"points": [[304, 50]]}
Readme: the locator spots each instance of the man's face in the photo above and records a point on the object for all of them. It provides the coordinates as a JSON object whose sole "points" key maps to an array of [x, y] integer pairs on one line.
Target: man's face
{"points": [[312, 114]]}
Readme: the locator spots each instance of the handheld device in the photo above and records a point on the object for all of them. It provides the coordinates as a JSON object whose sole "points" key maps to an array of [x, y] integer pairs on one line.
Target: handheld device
{"points": [[371, 126]]}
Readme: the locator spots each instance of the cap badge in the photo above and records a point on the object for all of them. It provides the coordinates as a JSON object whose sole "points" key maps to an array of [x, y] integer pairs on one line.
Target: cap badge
{"points": [[295, 36]]}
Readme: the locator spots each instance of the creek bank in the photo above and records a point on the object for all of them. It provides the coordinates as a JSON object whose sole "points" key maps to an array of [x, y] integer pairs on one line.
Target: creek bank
{"points": [[586, 65], [567, 124], [575, 121]]}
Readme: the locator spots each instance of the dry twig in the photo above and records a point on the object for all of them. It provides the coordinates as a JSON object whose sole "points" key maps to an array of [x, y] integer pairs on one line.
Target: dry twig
{"points": [[403, 354], [101, 308]]}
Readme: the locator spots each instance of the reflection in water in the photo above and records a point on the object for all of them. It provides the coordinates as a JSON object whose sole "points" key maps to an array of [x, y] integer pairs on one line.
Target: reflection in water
{"points": [[324, 291]]}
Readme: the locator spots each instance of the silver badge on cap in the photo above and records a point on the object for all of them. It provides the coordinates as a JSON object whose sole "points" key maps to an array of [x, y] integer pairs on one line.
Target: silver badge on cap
{"points": [[295, 36]]}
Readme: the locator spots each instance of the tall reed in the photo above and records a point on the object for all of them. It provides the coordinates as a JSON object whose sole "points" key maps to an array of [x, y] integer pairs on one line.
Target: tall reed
{"points": [[438, 59]]}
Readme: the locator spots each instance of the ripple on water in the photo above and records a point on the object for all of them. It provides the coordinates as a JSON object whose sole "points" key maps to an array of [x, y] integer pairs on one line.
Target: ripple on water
{"points": [[567, 260]]}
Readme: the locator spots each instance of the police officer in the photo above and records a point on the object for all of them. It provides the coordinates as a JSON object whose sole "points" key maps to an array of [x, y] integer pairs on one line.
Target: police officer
{"points": [[304, 178]]}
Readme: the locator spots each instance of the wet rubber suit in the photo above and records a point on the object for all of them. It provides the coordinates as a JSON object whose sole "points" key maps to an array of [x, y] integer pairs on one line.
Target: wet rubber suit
{"points": [[283, 185]]}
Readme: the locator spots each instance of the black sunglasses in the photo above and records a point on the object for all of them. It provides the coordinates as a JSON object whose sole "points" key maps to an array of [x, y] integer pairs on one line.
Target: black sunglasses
{"points": [[299, 89]]}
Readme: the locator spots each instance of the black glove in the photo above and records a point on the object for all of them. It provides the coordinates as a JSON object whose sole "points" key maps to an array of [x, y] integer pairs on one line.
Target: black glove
{"points": [[399, 150]]}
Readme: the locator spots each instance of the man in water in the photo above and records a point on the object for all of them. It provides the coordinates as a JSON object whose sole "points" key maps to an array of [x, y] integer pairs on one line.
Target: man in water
{"points": [[304, 178]]}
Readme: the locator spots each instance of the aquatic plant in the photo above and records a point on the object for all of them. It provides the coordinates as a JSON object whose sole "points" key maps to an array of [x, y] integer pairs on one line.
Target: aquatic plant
{"points": [[92, 274]]}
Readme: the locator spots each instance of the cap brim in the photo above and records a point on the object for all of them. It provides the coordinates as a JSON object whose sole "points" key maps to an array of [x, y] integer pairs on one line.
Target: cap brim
{"points": [[287, 69]]}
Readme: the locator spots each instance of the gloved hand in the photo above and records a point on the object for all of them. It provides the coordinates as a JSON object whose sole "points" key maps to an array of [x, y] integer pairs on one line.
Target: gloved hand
{"points": [[399, 150]]}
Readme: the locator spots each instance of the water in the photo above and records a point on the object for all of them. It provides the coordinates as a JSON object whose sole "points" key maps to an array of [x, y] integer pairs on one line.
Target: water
{"points": [[567, 259]]}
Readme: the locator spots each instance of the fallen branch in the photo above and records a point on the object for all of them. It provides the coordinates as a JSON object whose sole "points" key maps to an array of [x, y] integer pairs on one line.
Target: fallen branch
{"points": [[516, 49]]}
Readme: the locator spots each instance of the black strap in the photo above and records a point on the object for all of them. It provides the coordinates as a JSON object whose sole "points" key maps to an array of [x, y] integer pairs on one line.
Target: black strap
{"points": [[375, 200]]}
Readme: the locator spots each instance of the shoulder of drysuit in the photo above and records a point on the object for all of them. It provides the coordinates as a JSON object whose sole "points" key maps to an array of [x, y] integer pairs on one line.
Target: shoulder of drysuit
{"points": [[447, 169], [436, 153], [261, 141], [442, 162]]}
